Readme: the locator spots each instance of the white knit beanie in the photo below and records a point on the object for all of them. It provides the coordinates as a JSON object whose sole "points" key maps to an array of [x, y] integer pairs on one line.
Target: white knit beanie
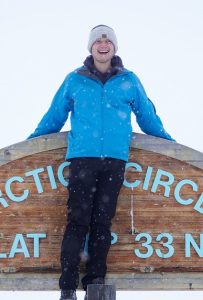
{"points": [[102, 31]]}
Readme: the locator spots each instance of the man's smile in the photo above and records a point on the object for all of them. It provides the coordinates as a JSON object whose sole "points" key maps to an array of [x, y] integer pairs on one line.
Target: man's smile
{"points": [[103, 51]]}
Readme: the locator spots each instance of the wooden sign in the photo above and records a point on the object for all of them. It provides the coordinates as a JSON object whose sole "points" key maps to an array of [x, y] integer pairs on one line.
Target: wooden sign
{"points": [[157, 233]]}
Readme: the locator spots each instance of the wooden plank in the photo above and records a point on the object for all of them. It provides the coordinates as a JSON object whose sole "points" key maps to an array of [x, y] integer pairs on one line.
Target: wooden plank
{"points": [[138, 141], [135, 282]]}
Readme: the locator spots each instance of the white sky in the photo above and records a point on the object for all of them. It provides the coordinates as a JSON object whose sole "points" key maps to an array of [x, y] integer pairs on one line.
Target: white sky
{"points": [[43, 40]]}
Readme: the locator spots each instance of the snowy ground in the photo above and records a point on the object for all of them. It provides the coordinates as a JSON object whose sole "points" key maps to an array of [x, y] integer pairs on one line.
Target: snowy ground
{"points": [[176, 295]]}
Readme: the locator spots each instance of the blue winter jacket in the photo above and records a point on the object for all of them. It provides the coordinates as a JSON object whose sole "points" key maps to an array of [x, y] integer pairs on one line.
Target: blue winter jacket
{"points": [[100, 114]]}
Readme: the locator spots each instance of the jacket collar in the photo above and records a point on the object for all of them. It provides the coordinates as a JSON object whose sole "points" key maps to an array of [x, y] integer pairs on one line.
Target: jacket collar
{"points": [[89, 69], [116, 63]]}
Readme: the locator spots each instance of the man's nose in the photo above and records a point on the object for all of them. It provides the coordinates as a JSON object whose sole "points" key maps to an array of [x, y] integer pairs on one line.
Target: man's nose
{"points": [[104, 44]]}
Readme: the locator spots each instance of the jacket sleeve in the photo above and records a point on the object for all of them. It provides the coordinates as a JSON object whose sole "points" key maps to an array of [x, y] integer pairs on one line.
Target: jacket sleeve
{"points": [[57, 114], [145, 113]]}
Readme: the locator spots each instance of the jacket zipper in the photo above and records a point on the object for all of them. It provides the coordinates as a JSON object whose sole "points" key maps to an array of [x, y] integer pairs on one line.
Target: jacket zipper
{"points": [[102, 122], [102, 114]]}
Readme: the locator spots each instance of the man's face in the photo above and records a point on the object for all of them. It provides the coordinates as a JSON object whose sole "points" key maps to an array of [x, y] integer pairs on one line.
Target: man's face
{"points": [[103, 50]]}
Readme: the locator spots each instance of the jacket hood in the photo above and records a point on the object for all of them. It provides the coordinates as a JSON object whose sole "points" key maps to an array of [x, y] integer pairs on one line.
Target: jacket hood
{"points": [[89, 69], [116, 63]]}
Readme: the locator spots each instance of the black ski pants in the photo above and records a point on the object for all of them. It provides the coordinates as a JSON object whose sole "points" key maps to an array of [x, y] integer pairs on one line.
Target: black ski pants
{"points": [[94, 185]]}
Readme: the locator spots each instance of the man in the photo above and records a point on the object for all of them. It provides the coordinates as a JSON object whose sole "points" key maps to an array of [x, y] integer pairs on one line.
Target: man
{"points": [[100, 96]]}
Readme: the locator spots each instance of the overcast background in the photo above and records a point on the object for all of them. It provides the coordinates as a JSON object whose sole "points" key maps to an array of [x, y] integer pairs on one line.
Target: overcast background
{"points": [[160, 40]]}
